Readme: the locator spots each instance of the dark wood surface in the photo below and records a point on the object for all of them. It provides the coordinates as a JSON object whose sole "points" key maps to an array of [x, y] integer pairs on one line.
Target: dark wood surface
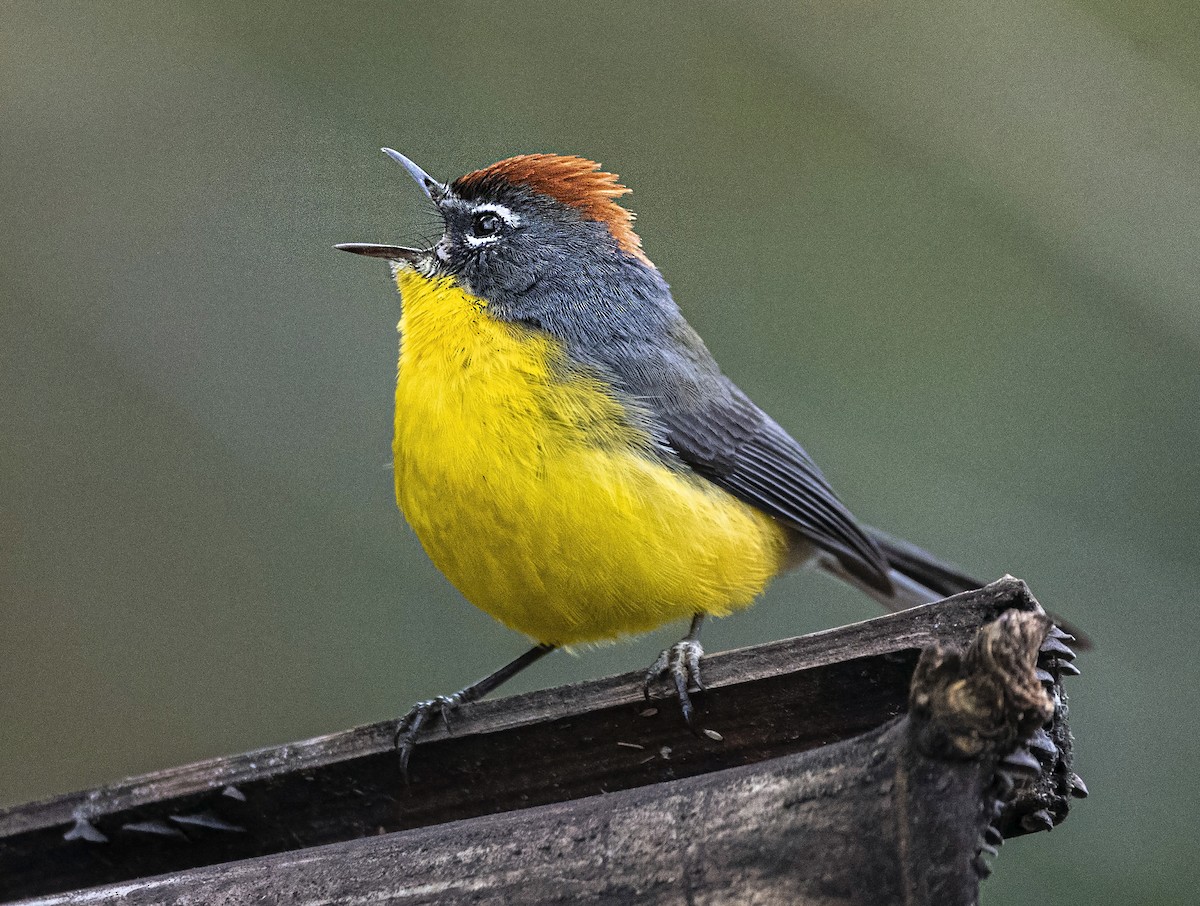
{"points": [[550, 746], [702, 839]]}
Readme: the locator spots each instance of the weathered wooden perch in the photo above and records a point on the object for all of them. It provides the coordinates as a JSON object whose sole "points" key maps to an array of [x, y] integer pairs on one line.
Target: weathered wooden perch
{"points": [[813, 788]]}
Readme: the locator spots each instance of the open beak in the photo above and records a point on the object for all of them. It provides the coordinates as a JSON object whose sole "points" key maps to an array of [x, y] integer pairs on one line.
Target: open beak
{"points": [[435, 190], [397, 253], [430, 186]]}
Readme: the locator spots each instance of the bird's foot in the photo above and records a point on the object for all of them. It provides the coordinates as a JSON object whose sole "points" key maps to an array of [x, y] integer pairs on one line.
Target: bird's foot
{"points": [[681, 664], [408, 727]]}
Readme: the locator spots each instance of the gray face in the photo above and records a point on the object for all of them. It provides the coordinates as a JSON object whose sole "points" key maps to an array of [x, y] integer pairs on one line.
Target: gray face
{"points": [[539, 264]]}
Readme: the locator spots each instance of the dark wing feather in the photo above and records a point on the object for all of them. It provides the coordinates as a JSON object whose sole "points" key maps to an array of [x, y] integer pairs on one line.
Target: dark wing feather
{"points": [[760, 463], [701, 418]]}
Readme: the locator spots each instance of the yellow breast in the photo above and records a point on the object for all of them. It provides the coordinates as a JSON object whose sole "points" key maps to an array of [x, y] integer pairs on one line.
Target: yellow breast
{"points": [[531, 492]]}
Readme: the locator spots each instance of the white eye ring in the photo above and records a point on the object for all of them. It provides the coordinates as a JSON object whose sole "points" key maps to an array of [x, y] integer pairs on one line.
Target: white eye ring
{"points": [[484, 212]]}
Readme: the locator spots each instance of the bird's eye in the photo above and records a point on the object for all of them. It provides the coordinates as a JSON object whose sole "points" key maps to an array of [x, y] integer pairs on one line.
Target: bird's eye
{"points": [[486, 224]]}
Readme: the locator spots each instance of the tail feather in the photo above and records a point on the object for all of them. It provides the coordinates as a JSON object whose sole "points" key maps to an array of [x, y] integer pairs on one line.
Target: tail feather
{"points": [[922, 567], [918, 577]]}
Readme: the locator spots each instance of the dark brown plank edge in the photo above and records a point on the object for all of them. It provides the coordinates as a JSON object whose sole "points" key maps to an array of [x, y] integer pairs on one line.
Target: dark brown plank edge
{"points": [[899, 815], [546, 746]]}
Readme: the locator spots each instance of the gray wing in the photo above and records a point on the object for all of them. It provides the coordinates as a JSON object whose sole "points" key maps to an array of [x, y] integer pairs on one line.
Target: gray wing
{"points": [[715, 430]]}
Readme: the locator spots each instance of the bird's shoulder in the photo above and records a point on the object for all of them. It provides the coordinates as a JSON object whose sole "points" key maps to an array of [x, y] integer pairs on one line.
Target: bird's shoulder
{"points": [[703, 422]]}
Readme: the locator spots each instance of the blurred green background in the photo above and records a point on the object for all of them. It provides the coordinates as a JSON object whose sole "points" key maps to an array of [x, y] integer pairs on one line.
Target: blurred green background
{"points": [[952, 247]]}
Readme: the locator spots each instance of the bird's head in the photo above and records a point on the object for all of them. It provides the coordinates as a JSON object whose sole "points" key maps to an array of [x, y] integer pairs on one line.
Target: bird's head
{"points": [[526, 228]]}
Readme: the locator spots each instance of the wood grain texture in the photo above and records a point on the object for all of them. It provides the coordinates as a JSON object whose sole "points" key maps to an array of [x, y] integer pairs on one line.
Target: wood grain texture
{"points": [[553, 746], [781, 831]]}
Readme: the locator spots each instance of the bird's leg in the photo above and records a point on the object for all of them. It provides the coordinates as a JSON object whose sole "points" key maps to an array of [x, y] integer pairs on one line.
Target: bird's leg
{"points": [[408, 728], [680, 662]]}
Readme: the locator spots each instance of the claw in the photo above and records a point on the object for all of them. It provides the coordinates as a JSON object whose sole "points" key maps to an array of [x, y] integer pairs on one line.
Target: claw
{"points": [[988, 849], [407, 730], [659, 668], [680, 678], [408, 727], [1045, 676], [680, 662], [992, 835]]}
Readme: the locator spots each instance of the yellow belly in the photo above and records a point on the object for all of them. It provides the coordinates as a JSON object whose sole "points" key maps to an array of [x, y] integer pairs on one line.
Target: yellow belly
{"points": [[534, 496]]}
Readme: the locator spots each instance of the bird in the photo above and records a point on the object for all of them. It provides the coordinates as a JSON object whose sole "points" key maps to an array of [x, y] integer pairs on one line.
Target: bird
{"points": [[569, 453]]}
